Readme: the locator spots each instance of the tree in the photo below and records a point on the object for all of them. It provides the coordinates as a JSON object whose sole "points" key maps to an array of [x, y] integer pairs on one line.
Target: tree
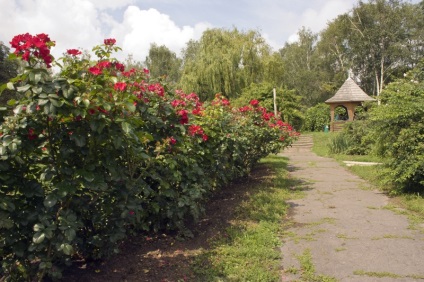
{"points": [[8, 69], [385, 39], [301, 65], [162, 62], [223, 61]]}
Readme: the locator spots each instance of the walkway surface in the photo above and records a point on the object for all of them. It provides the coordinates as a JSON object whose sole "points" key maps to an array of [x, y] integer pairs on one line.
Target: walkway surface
{"points": [[346, 227]]}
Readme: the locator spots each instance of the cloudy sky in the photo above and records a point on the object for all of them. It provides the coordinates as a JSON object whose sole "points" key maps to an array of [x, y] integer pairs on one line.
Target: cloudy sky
{"points": [[138, 23]]}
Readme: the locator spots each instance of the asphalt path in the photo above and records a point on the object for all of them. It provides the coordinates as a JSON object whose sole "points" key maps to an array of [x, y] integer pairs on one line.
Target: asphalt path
{"points": [[346, 227]]}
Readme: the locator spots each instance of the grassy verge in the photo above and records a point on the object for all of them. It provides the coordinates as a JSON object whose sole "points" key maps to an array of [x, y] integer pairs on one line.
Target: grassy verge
{"points": [[248, 250], [413, 205]]}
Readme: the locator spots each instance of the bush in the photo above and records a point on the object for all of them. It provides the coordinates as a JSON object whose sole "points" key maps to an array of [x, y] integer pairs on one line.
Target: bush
{"points": [[100, 152], [398, 129], [317, 117]]}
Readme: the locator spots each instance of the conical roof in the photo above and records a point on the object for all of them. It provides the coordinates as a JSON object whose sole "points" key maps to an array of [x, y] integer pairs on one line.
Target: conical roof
{"points": [[349, 92]]}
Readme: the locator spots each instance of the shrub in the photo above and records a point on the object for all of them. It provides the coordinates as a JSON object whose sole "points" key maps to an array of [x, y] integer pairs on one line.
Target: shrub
{"points": [[317, 117], [397, 127], [100, 152]]}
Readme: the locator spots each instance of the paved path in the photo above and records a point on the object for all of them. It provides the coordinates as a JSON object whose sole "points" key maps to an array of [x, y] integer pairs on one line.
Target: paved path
{"points": [[342, 222]]}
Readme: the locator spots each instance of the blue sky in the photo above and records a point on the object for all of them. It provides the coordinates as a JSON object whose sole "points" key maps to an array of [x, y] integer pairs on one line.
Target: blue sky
{"points": [[138, 23]]}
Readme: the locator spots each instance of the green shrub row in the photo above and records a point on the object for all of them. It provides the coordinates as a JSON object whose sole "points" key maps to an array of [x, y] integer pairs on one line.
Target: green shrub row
{"points": [[100, 152]]}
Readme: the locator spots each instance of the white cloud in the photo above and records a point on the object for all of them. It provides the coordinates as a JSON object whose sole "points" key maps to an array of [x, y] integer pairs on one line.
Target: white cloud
{"points": [[111, 4], [317, 19], [71, 23], [140, 28], [85, 23]]}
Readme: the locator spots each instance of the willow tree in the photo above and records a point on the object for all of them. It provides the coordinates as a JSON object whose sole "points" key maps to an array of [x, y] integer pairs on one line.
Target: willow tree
{"points": [[223, 61]]}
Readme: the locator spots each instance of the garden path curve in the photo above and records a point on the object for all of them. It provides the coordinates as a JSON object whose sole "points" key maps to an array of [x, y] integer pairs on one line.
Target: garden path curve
{"points": [[345, 227]]}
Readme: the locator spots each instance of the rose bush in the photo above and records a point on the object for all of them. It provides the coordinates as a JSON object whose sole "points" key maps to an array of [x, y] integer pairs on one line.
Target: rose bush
{"points": [[100, 152]]}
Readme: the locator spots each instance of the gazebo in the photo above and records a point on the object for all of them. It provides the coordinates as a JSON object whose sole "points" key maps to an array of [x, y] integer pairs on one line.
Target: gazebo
{"points": [[349, 96]]}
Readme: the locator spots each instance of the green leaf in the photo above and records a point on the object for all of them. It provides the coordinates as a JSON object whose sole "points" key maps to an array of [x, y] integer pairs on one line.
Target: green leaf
{"points": [[79, 140], [10, 86], [67, 249], [5, 221], [23, 88], [131, 107], [38, 237], [70, 234], [86, 102], [50, 201], [11, 102], [126, 127], [56, 103], [88, 175], [38, 227]]}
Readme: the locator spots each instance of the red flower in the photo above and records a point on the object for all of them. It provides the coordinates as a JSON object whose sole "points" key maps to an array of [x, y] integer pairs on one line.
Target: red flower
{"points": [[120, 67], [146, 71], [156, 88], [73, 52], [131, 212], [110, 41], [91, 111], [177, 103], [120, 86], [95, 70], [37, 46], [205, 137], [254, 103], [184, 116], [195, 129], [225, 102], [245, 109], [31, 134], [104, 65], [172, 140], [197, 111]]}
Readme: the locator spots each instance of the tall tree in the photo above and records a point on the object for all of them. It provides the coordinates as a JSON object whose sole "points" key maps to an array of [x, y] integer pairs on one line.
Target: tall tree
{"points": [[223, 61], [162, 62], [385, 39], [302, 71]]}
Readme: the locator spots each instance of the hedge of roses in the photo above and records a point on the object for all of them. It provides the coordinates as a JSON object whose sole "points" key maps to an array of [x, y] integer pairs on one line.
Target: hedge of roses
{"points": [[100, 152]]}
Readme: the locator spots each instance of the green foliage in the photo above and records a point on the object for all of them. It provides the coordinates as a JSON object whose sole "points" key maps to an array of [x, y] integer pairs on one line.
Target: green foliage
{"points": [[224, 61], [288, 103], [317, 117], [162, 62], [339, 143], [399, 131], [8, 69], [98, 153]]}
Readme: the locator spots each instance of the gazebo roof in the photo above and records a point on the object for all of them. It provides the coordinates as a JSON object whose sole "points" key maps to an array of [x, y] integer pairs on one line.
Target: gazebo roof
{"points": [[349, 92]]}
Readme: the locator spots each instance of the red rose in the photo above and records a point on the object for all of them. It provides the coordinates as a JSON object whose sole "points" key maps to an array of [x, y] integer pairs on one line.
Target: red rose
{"points": [[73, 52], [110, 41], [254, 102]]}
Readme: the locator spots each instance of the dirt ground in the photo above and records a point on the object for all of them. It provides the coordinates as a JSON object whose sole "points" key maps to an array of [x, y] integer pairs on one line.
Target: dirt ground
{"points": [[347, 228], [164, 257]]}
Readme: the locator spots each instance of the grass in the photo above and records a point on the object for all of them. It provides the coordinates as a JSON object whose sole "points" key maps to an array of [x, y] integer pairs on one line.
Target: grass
{"points": [[386, 275], [249, 248], [308, 269]]}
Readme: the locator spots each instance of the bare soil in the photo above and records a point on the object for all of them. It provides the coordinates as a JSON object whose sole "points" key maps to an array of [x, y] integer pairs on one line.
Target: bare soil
{"points": [[165, 256]]}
